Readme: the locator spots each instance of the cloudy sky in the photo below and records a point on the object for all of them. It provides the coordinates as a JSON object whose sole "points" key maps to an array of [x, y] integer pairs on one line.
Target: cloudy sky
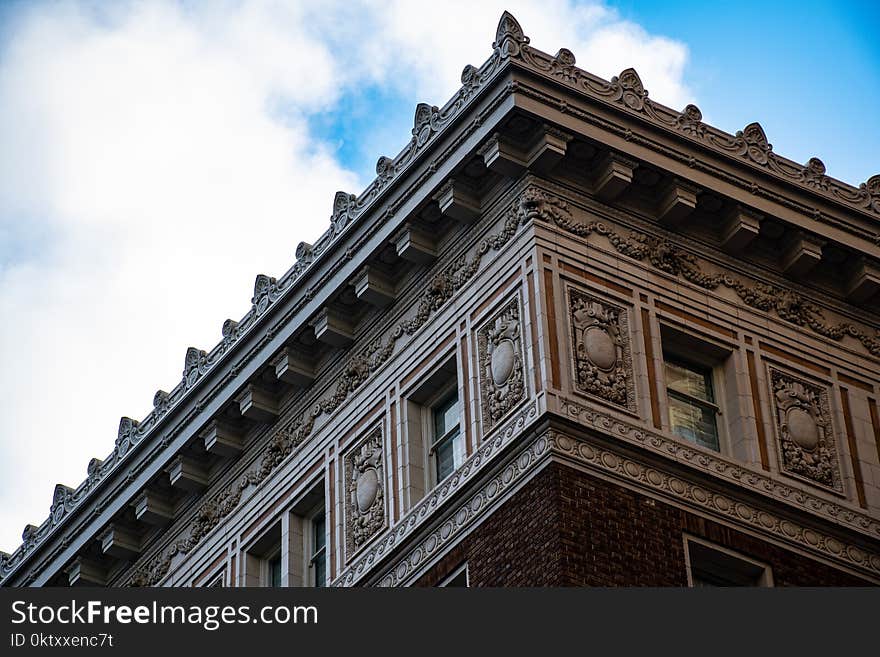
{"points": [[156, 156]]}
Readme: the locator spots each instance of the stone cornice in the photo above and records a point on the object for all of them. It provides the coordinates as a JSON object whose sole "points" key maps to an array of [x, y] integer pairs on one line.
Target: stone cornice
{"points": [[750, 146], [596, 457], [797, 496]]}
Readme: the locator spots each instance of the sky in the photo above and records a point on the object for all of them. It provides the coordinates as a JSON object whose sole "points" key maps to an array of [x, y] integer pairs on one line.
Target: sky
{"points": [[156, 156]]}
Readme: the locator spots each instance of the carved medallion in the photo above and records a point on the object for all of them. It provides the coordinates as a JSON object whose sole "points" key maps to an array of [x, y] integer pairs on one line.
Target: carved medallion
{"points": [[502, 377], [600, 344], [365, 514], [806, 444]]}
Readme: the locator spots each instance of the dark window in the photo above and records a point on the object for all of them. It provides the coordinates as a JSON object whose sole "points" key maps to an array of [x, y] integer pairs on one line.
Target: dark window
{"points": [[711, 566], [318, 560], [274, 579]]}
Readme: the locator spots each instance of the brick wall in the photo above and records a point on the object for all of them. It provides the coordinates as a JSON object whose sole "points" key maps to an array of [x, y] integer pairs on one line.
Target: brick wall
{"points": [[566, 528]]}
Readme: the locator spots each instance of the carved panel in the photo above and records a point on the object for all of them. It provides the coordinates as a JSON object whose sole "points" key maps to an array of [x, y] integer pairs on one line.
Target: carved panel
{"points": [[601, 349], [805, 435], [502, 376], [365, 513]]}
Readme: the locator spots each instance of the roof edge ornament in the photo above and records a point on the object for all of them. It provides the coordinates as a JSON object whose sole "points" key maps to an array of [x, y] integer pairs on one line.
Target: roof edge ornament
{"points": [[632, 91], [93, 468], [509, 36], [191, 365], [872, 187], [343, 203], [757, 148], [60, 496], [125, 437], [424, 123], [265, 293]]}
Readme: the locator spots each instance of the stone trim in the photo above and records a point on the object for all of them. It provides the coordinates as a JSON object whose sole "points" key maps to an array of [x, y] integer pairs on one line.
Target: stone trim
{"points": [[723, 468], [600, 349], [805, 439], [607, 462]]}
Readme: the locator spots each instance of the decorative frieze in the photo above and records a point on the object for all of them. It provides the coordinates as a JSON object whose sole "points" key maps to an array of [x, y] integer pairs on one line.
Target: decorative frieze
{"points": [[665, 256], [805, 435], [608, 461], [502, 376], [365, 508], [601, 349]]}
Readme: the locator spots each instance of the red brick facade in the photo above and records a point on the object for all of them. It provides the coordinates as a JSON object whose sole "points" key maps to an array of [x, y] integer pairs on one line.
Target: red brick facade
{"points": [[566, 528]]}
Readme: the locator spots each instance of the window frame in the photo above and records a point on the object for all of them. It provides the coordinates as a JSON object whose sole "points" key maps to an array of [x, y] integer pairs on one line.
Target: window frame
{"points": [[456, 572], [438, 401], [710, 375], [313, 554], [713, 358], [761, 575]]}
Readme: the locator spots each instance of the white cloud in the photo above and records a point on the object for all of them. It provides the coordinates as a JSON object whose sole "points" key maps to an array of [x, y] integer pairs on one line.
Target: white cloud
{"points": [[155, 157]]}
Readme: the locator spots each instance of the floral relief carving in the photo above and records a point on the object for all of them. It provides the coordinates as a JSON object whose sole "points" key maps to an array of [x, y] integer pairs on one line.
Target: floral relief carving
{"points": [[601, 349], [806, 443], [662, 254], [502, 375], [365, 513]]}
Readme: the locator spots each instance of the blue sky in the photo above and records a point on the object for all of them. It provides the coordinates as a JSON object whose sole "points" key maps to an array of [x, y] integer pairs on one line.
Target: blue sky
{"points": [[809, 72], [156, 156]]}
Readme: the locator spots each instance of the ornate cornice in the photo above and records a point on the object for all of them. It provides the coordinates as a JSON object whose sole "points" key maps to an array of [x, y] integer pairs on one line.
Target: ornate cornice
{"points": [[718, 466], [750, 145], [669, 258], [348, 209], [617, 465]]}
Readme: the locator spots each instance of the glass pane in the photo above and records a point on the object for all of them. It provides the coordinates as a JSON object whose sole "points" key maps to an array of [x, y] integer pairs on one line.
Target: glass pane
{"points": [[446, 416], [275, 572], [318, 531], [693, 422], [320, 571], [692, 381], [444, 455]]}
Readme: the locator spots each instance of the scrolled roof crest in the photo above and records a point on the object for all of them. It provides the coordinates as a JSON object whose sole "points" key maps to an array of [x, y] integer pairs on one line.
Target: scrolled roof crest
{"points": [[509, 36]]}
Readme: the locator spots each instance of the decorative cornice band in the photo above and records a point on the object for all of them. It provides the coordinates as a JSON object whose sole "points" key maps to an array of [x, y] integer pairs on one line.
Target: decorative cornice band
{"points": [[722, 468], [669, 258], [607, 462]]}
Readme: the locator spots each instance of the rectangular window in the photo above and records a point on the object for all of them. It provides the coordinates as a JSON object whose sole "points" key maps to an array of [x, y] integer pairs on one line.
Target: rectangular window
{"points": [[274, 568], [318, 550], [447, 448], [692, 408], [457, 578], [711, 565], [262, 560], [433, 429]]}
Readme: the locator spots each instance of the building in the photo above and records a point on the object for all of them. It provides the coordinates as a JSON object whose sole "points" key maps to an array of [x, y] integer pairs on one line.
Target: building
{"points": [[567, 336]]}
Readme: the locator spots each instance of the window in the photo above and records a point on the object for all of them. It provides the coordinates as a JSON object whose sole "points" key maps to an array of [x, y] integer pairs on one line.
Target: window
{"points": [[700, 381], [447, 448], [692, 408], [458, 577], [273, 577], [712, 565], [262, 560], [434, 432], [318, 549]]}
